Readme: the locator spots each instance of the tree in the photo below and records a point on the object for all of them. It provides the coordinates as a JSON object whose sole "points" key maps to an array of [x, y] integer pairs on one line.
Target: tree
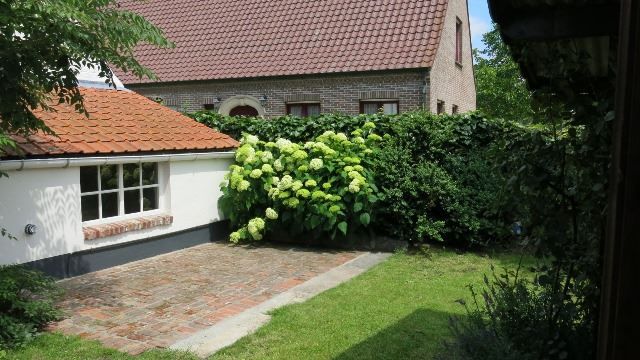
{"points": [[502, 92], [44, 43]]}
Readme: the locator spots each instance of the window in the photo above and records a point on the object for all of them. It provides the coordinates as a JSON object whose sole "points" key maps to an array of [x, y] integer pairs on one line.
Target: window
{"points": [[440, 108], [458, 41], [454, 109], [303, 109], [114, 190], [390, 107]]}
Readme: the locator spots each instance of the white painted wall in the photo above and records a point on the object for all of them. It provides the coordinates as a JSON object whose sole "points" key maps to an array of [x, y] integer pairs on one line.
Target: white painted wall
{"points": [[50, 199]]}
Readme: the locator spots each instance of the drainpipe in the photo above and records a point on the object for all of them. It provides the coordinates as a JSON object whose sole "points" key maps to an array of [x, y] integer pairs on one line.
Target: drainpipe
{"points": [[18, 165]]}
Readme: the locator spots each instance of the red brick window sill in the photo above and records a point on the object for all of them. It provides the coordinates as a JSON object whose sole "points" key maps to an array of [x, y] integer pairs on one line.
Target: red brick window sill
{"points": [[120, 227]]}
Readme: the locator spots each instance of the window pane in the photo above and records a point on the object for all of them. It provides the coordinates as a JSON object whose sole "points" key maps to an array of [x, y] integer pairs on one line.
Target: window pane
{"points": [[390, 109], [149, 173], [89, 206], [132, 201], [131, 175], [109, 205], [295, 110], [88, 179], [313, 109], [370, 108], [149, 199], [109, 177]]}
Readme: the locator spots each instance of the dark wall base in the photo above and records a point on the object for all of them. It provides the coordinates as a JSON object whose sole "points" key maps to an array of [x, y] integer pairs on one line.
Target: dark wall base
{"points": [[69, 265]]}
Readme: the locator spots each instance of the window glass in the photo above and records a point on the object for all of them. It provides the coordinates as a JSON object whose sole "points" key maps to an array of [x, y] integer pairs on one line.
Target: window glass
{"points": [[88, 179], [313, 109], [114, 190], [108, 177], [89, 206], [295, 110], [109, 204], [458, 41], [130, 175], [370, 108], [132, 201], [149, 199], [390, 108], [149, 173]]}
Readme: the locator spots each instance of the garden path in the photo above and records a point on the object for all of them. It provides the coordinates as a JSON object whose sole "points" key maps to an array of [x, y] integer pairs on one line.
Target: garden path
{"points": [[158, 301]]}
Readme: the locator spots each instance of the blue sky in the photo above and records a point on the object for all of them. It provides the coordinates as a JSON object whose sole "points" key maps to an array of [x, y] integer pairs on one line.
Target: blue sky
{"points": [[479, 20]]}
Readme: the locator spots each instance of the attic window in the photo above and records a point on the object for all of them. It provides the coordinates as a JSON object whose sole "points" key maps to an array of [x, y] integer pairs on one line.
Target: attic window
{"points": [[458, 41]]}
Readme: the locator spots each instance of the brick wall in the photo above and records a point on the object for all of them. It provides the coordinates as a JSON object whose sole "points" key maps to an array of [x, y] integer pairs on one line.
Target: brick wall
{"points": [[336, 93], [450, 82]]}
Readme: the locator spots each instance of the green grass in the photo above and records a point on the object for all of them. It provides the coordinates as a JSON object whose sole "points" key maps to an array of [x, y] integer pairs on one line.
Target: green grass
{"points": [[57, 346], [398, 310]]}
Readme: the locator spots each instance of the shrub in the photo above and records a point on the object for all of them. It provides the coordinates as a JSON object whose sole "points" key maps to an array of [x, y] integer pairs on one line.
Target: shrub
{"points": [[293, 128], [26, 304], [439, 176], [319, 187], [445, 182], [518, 319]]}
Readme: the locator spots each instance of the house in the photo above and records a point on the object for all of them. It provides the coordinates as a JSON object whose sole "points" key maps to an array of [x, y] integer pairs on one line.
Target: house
{"points": [[276, 57], [133, 180]]}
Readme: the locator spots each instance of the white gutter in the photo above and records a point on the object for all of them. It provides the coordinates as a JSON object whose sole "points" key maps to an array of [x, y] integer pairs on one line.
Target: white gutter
{"points": [[19, 165]]}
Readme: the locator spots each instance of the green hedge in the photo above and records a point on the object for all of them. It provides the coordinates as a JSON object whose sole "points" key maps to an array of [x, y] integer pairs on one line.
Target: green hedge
{"points": [[27, 304], [440, 177]]}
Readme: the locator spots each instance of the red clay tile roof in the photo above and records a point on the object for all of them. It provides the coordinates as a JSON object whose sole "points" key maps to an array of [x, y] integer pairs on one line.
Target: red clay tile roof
{"points": [[227, 39], [120, 122]]}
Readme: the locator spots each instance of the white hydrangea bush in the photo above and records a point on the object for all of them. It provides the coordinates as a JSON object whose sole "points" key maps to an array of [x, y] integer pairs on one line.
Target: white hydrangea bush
{"points": [[320, 187]]}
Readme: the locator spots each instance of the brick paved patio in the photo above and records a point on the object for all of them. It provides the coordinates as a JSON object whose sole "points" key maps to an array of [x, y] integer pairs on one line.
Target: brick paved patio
{"points": [[158, 301]]}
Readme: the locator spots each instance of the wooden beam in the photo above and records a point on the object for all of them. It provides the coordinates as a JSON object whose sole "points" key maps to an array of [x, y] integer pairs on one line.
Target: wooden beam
{"points": [[555, 23], [619, 332]]}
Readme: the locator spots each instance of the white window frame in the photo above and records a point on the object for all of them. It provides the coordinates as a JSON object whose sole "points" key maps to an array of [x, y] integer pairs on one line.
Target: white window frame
{"points": [[120, 190]]}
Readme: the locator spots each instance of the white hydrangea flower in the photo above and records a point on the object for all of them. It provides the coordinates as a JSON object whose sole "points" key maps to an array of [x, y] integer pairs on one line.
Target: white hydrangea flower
{"points": [[250, 139], [340, 137], [256, 173], [285, 182], [243, 185], [278, 165], [267, 169], [282, 142], [271, 214], [234, 237], [354, 186], [266, 156], [297, 185], [316, 164]]}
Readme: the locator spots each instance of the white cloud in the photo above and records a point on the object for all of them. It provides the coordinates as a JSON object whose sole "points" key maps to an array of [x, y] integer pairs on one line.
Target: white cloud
{"points": [[478, 28]]}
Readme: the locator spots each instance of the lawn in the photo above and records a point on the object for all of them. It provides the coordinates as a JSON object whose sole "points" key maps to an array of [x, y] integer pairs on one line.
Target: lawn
{"points": [[397, 310]]}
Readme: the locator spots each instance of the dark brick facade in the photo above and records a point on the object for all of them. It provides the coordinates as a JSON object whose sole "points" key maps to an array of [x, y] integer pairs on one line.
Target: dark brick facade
{"points": [[336, 93]]}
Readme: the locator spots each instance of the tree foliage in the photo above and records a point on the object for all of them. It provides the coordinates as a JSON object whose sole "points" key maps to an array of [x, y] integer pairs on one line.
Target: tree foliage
{"points": [[501, 90], [43, 44]]}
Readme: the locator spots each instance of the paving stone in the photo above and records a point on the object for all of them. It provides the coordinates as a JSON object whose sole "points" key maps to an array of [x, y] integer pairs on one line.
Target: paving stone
{"points": [[158, 301]]}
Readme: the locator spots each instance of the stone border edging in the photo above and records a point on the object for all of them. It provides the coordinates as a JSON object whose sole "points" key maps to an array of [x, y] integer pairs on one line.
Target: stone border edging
{"points": [[207, 342]]}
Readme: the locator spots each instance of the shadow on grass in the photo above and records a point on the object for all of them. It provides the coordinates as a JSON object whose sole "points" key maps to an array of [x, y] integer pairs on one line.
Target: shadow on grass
{"points": [[417, 336]]}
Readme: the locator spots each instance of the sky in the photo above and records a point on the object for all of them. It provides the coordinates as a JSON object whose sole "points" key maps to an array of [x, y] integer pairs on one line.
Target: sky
{"points": [[479, 20]]}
